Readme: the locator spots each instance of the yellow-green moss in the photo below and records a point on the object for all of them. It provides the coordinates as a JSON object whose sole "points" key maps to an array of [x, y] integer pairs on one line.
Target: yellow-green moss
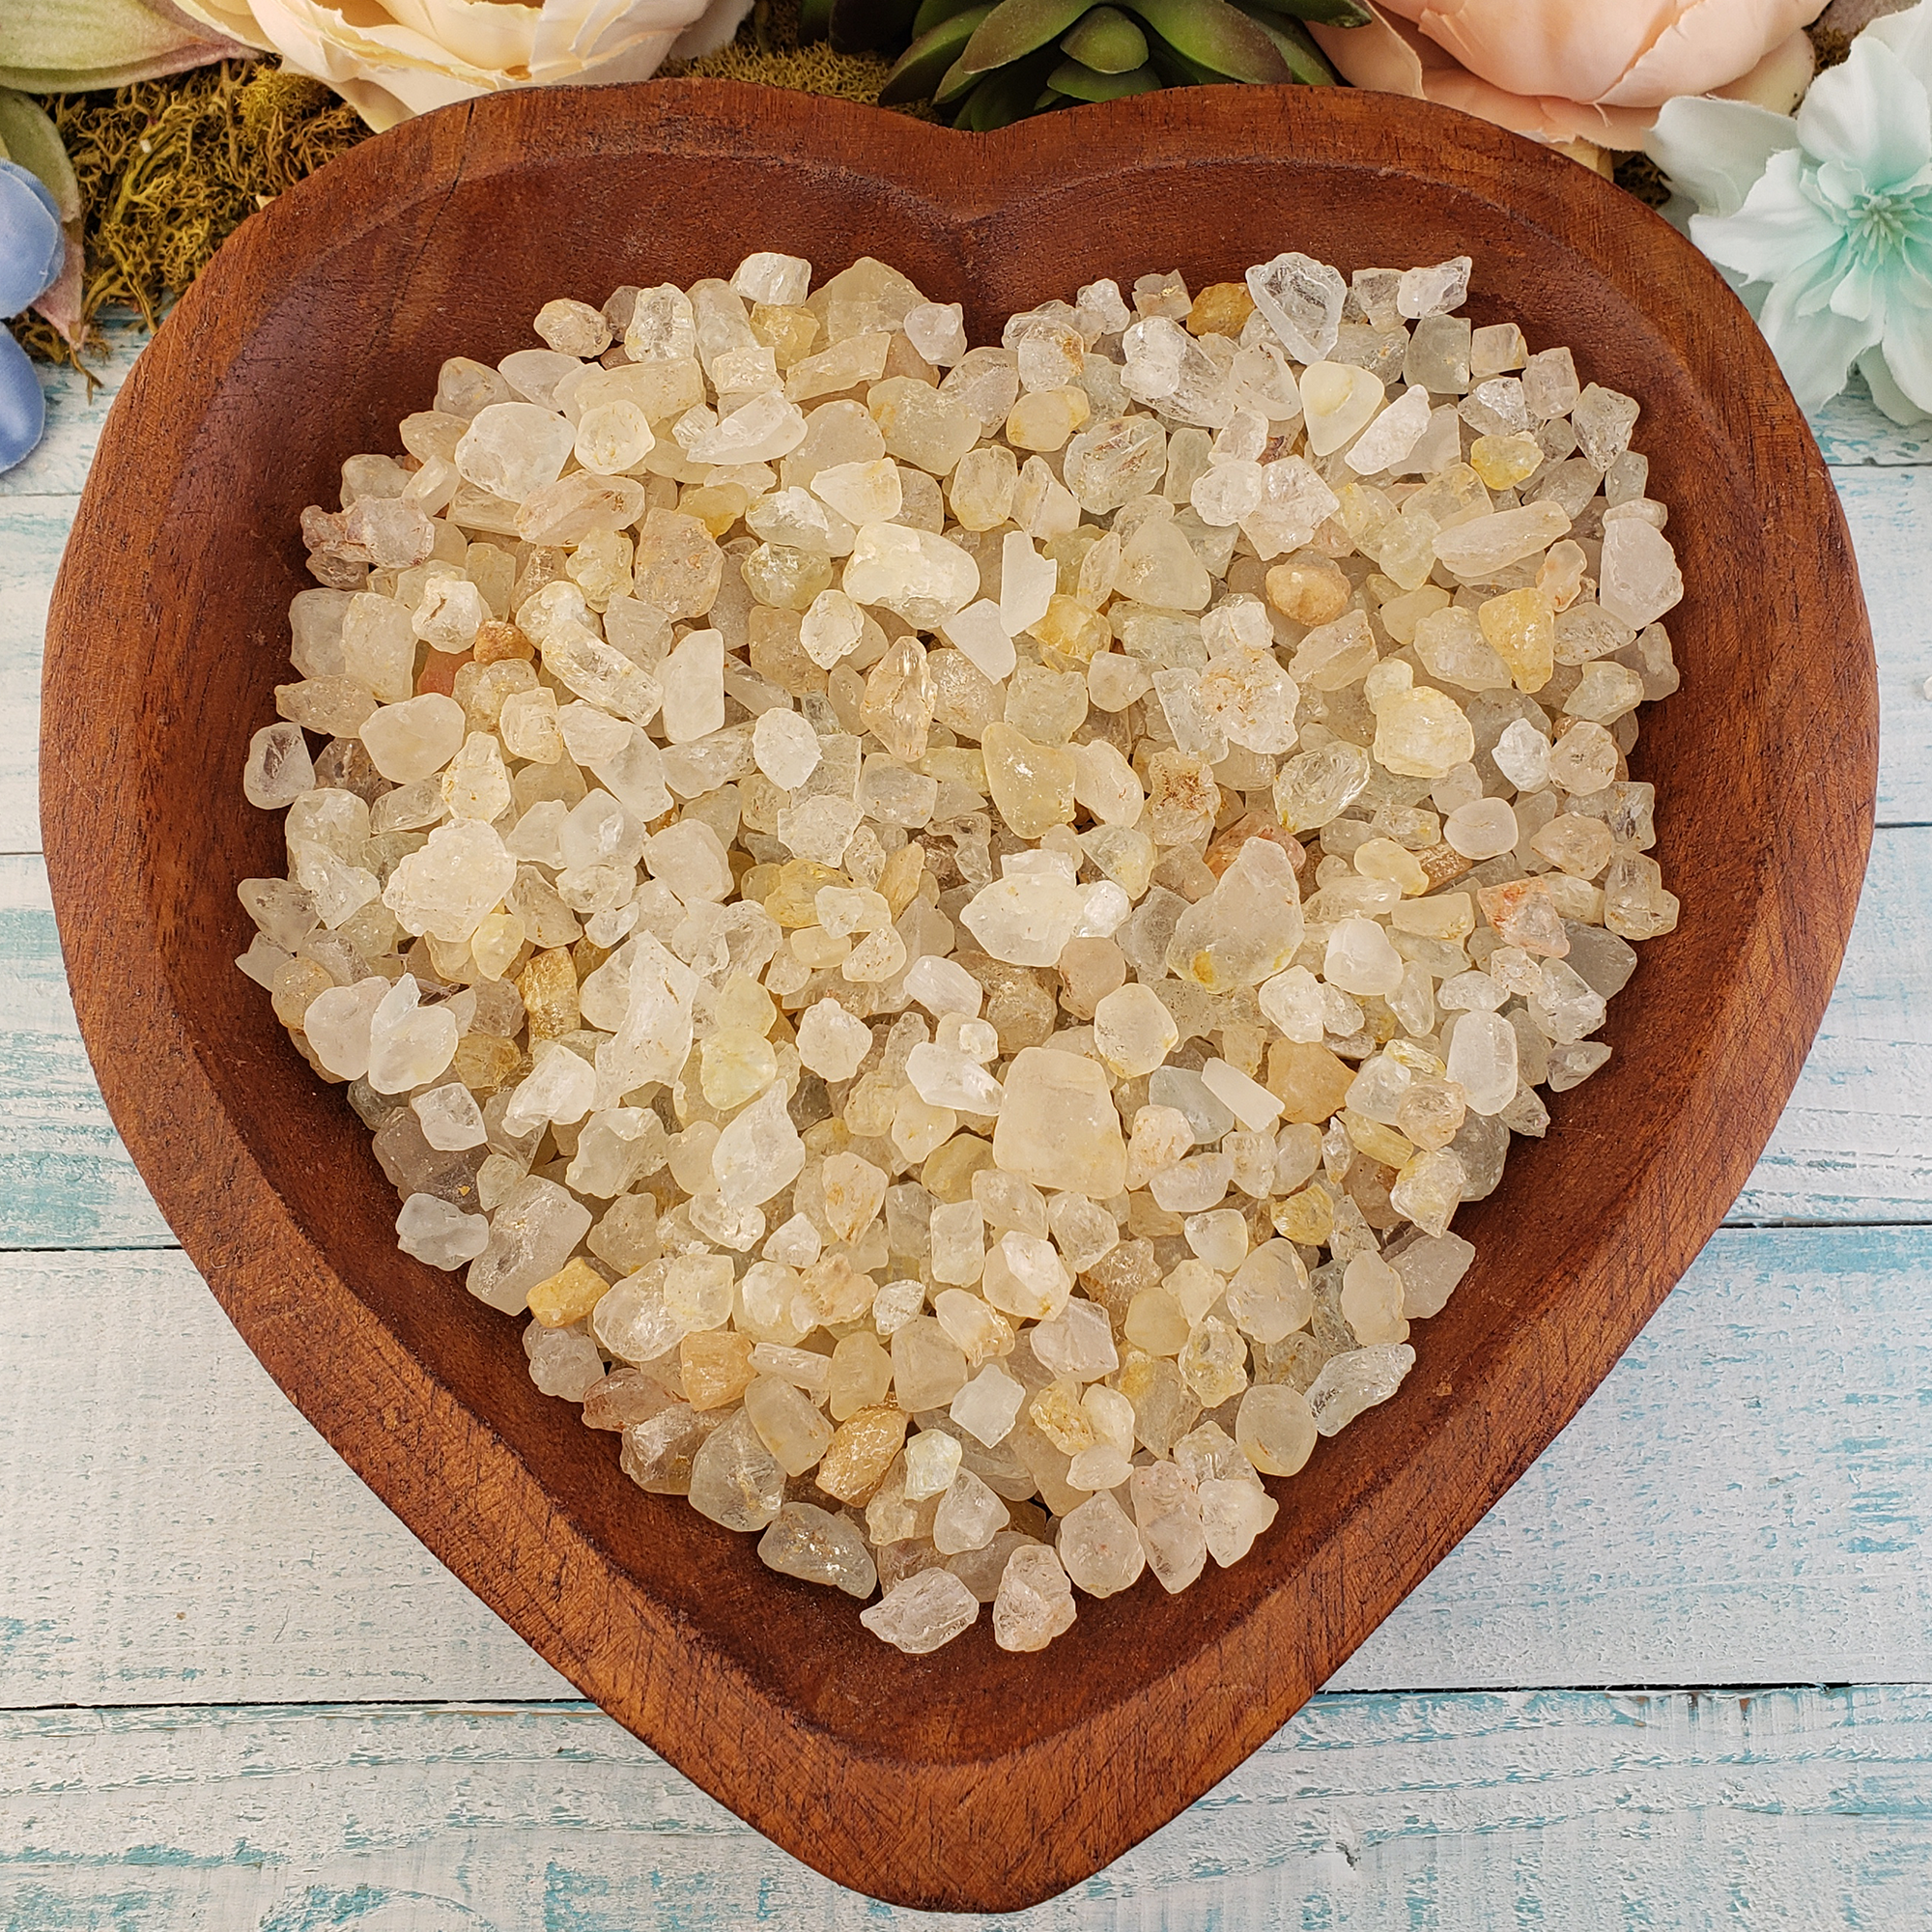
{"points": [[168, 169]]}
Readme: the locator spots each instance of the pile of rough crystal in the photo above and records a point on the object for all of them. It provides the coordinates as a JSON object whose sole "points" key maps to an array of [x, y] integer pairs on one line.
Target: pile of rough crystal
{"points": [[955, 923]]}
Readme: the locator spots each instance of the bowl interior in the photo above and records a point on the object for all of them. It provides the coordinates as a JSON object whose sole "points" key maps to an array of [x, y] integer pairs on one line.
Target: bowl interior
{"points": [[324, 324]]}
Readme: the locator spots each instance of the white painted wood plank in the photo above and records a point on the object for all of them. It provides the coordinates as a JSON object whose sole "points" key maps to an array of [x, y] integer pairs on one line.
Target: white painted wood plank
{"points": [[65, 1178], [76, 409], [198, 1539], [1890, 513], [1799, 1807], [1853, 431], [33, 532], [1855, 1141], [1744, 1501]]}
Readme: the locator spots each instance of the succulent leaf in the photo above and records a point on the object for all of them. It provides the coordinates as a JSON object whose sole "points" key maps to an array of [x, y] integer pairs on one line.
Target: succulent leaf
{"points": [[1015, 28], [1107, 42], [863, 26], [1008, 95], [1216, 38], [956, 83], [1330, 12], [935, 12], [814, 19], [926, 66], [1292, 41], [1086, 83]]}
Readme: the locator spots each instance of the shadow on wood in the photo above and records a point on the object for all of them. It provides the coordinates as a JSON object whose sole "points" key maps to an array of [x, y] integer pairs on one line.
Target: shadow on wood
{"points": [[972, 1778]]}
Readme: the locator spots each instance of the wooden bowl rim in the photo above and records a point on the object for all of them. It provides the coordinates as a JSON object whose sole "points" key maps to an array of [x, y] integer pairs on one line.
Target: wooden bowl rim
{"points": [[940, 1835]]}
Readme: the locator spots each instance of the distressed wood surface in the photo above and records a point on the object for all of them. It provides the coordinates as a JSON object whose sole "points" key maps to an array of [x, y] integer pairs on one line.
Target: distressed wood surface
{"points": [[1459, 1813], [1745, 1500], [1740, 1503]]}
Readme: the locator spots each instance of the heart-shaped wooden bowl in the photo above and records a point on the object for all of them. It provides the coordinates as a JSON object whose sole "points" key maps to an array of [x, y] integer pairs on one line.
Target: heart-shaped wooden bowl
{"points": [[970, 1778]]}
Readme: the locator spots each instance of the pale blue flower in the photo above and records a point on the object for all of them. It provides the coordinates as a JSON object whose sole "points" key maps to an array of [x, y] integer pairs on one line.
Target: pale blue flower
{"points": [[1823, 222], [31, 249]]}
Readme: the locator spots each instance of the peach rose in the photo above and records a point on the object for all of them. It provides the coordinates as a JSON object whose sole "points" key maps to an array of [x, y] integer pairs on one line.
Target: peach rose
{"points": [[1571, 73]]}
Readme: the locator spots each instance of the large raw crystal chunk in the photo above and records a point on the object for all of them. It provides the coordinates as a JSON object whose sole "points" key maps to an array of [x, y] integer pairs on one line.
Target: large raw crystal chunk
{"points": [[1301, 300], [457, 879], [1641, 580], [1479, 548], [1032, 784], [1100, 1547], [532, 1234], [678, 567], [1035, 1602], [1355, 1381], [760, 1153], [1058, 1127], [915, 573], [810, 1543], [513, 449], [1113, 460], [923, 1612], [922, 425], [1028, 920], [1247, 929], [1294, 503], [735, 1480]]}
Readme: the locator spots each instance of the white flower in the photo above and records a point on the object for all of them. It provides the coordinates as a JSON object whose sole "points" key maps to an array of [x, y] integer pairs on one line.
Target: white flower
{"points": [[390, 59], [1823, 223]]}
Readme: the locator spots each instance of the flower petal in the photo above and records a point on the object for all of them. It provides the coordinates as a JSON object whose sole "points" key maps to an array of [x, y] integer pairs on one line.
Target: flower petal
{"points": [[1547, 47], [1871, 113], [1814, 350], [24, 405], [1715, 150], [32, 246], [1779, 79], [1908, 357], [1778, 231], [60, 301], [1711, 42], [1909, 34], [1375, 56], [1887, 393]]}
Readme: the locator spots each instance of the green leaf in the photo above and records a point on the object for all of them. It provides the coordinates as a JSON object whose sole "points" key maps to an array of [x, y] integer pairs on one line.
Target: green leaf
{"points": [[1015, 28], [28, 138], [1107, 42], [866, 26], [1330, 12], [927, 63], [933, 13], [956, 83], [1292, 41], [1216, 38], [57, 46], [1009, 94], [814, 19], [1085, 83]]}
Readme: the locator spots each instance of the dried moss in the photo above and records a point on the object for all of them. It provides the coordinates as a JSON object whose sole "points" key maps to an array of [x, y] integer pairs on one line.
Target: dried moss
{"points": [[767, 52], [1831, 45], [168, 169], [1640, 176]]}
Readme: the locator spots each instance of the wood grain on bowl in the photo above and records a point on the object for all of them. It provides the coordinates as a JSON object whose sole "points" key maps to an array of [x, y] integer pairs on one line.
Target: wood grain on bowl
{"points": [[971, 1778]]}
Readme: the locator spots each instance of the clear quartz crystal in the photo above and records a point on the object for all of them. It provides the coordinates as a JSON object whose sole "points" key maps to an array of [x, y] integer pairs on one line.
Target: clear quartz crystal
{"points": [[956, 922]]}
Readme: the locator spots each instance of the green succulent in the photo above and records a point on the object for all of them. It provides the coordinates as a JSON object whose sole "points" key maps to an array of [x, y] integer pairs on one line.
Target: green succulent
{"points": [[987, 63]]}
